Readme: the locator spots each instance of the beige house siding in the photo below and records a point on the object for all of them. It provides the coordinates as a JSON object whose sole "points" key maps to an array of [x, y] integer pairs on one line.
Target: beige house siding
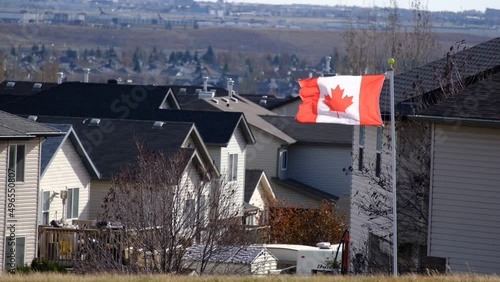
{"points": [[465, 195], [98, 191], [26, 199], [67, 170], [263, 154]]}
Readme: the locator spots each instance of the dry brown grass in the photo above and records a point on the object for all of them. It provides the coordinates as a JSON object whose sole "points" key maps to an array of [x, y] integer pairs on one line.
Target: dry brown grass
{"points": [[157, 278]]}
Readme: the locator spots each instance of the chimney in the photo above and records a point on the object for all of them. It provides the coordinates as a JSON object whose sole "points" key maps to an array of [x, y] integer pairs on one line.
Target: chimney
{"points": [[230, 84], [205, 84], [86, 73], [327, 68], [60, 76]]}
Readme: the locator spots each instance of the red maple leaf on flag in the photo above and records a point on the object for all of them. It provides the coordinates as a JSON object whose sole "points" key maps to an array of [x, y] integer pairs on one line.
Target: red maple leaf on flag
{"points": [[336, 102]]}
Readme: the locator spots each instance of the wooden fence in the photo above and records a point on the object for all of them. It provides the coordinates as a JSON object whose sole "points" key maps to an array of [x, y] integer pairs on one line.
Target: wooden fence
{"points": [[67, 246]]}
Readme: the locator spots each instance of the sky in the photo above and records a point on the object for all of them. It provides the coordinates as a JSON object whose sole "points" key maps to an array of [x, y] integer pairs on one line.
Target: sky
{"points": [[433, 5]]}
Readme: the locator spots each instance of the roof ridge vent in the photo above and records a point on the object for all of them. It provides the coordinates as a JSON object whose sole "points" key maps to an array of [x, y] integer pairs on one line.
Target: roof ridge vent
{"points": [[206, 94], [10, 84], [234, 99], [158, 124], [32, 118], [214, 100], [183, 91], [225, 100], [37, 85], [95, 122]]}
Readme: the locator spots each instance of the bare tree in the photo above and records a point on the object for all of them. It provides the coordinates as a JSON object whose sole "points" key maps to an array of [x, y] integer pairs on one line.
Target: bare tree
{"points": [[165, 205]]}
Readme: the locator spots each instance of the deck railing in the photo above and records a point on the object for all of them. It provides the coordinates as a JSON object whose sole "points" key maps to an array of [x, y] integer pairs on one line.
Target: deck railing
{"points": [[67, 246]]}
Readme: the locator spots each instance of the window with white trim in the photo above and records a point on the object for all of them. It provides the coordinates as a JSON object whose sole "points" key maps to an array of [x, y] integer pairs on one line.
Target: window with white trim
{"points": [[17, 155], [20, 246], [361, 146], [233, 167], [189, 213], [378, 161], [72, 203], [284, 160], [45, 207]]}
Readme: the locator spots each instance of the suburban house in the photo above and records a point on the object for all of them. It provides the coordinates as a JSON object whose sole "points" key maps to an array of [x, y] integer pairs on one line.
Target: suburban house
{"points": [[226, 135], [269, 153], [464, 213], [437, 234], [118, 148], [66, 171], [259, 196], [21, 141]]}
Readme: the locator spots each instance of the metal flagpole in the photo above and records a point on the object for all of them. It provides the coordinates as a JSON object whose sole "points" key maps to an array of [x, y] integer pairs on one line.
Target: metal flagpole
{"points": [[393, 166]]}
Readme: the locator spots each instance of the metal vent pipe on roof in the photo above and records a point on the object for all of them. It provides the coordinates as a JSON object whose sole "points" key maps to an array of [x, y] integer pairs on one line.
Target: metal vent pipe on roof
{"points": [[230, 84], [86, 73], [60, 76], [328, 60], [205, 84]]}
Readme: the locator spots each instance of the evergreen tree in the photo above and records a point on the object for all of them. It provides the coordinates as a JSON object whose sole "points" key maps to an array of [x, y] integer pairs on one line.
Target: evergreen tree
{"points": [[209, 56]]}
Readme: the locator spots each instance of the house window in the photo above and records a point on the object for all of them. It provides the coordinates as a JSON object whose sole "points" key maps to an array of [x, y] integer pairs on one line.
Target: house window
{"points": [[249, 220], [16, 160], [189, 213], [361, 146], [378, 160], [20, 250], [45, 207], [233, 167], [72, 200], [284, 160]]}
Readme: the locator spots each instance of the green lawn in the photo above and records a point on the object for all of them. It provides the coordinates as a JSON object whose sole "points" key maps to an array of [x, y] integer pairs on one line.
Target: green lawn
{"points": [[154, 278]]}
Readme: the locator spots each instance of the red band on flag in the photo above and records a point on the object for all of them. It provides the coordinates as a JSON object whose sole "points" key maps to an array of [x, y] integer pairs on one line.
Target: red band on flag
{"points": [[309, 93], [369, 110]]}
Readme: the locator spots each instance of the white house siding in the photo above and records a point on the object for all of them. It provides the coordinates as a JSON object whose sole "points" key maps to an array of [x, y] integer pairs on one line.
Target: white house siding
{"points": [[465, 198], [237, 145], [67, 171], [215, 153], [289, 109], [263, 154], [360, 226], [257, 199], [263, 264], [321, 167], [98, 191], [26, 199]]}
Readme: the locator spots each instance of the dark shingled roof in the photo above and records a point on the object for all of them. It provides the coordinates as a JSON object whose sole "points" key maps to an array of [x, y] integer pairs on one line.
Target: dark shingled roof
{"points": [[190, 94], [480, 101], [317, 133], [115, 101], [11, 90], [51, 144], [113, 144], [252, 177], [480, 58], [226, 254], [12, 126], [303, 188]]}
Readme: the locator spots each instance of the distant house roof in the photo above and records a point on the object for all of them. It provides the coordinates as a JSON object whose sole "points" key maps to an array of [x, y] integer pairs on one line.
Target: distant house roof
{"points": [[112, 143], [123, 99], [188, 94], [11, 90], [269, 101], [317, 133], [227, 254], [138, 102], [478, 103], [251, 110], [484, 57], [52, 144], [12, 126]]}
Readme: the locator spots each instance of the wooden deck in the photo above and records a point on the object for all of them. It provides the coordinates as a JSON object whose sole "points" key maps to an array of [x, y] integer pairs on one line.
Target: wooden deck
{"points": [[67, 246]]}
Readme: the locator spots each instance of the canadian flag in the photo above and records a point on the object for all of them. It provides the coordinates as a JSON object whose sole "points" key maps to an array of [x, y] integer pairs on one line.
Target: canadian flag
{"points": [[341, 99]]}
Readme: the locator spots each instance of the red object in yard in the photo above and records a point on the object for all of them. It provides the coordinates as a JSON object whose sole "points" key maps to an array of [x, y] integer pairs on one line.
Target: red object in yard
{"points": [[345, 253]]}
